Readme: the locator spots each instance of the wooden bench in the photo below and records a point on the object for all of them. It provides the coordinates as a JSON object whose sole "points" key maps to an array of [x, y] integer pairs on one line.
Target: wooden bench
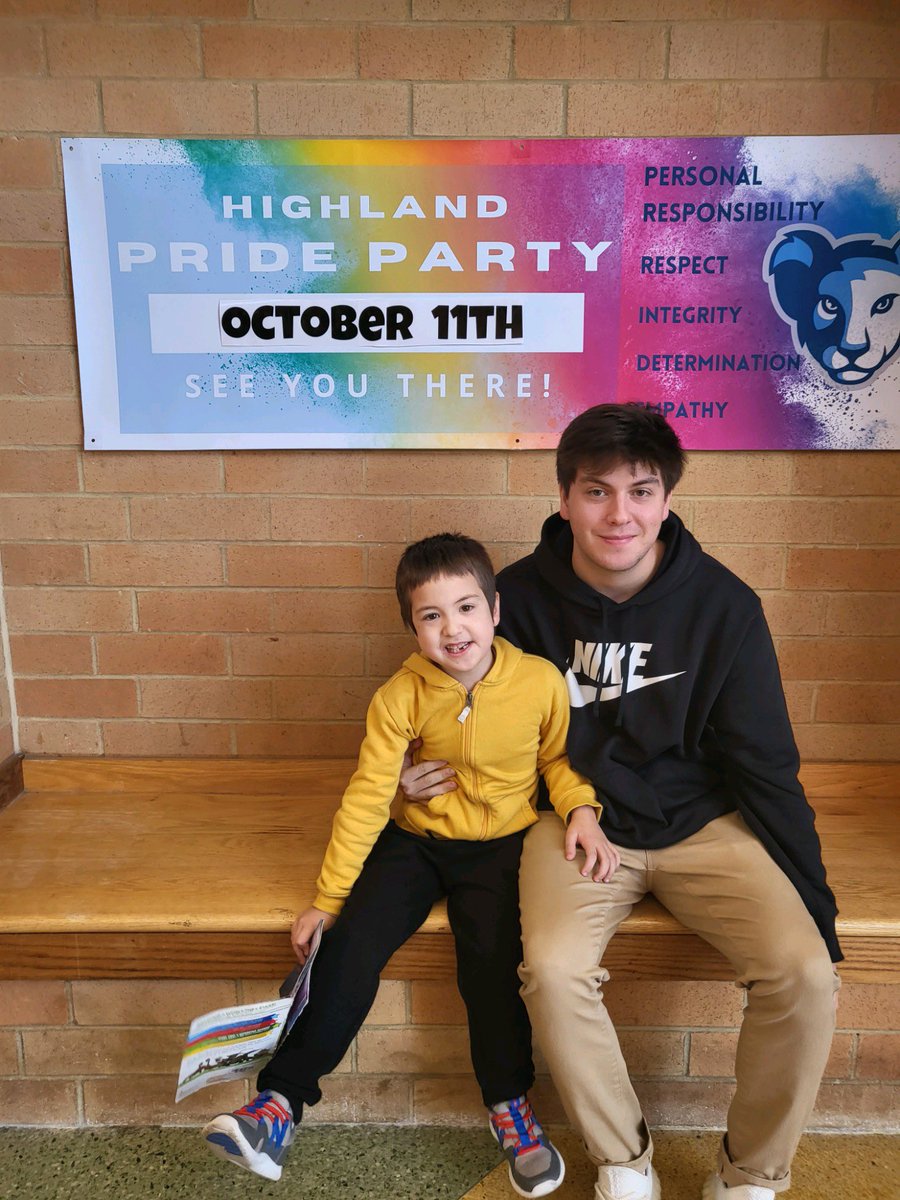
{"points": [[158, 868]]}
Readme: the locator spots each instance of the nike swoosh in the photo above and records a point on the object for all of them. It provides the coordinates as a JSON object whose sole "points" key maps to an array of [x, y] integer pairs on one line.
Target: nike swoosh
{"points": [[582, 694]]}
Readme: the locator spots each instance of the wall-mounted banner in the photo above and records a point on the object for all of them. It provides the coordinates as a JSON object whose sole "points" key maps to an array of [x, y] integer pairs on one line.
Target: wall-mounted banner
{"points": [[411, 294]]}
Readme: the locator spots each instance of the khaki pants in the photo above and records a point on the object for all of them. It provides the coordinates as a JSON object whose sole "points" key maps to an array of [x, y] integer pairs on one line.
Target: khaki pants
{"points": [[722, 884]]}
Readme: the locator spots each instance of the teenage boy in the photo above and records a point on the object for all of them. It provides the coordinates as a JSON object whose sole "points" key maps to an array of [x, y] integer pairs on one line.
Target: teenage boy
{"points": [[500, 716], [678, 717]]}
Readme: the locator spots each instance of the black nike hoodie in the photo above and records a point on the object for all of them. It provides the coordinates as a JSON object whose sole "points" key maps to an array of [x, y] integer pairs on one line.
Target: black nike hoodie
{"points": [[678, 713]]}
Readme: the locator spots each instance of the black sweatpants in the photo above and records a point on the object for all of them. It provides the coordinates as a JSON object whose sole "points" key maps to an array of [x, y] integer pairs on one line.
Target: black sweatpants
{"points": [[400, 880]]}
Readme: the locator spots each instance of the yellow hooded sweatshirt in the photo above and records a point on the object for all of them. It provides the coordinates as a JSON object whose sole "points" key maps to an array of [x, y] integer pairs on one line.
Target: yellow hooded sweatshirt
{"points": [[515, 726]]}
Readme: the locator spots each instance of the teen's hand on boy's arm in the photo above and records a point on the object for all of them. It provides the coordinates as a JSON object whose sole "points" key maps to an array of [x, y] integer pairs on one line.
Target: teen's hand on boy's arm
{"points": [[304, 927], [601, 858], [420, 782]]}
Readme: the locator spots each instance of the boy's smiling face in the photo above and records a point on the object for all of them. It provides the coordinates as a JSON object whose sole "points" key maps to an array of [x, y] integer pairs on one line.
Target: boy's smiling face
{"points": [[454, 626]]}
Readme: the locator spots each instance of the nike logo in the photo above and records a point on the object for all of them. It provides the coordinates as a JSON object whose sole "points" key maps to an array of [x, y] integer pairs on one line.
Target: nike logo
{"points": [[617, 668]]}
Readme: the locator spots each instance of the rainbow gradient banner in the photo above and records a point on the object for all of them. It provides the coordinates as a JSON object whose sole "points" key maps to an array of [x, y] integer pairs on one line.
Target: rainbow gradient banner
{"points": [[412, 294]]}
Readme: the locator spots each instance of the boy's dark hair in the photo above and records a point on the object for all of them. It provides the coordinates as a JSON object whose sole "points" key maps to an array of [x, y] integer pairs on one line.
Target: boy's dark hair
{"points": [[609, 434], [442, 554]]}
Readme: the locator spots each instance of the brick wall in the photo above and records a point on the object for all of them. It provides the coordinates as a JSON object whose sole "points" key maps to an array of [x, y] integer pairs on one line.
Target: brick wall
{"points": [[106, 1052], [135, 628]]}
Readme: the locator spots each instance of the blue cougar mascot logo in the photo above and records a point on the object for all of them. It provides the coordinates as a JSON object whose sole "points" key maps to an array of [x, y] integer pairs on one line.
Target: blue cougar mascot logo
{"points": [[839, 297]]}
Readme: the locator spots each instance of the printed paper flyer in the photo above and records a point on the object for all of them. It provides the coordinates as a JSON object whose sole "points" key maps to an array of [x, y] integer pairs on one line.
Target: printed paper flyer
{"points": [[480, 294]]}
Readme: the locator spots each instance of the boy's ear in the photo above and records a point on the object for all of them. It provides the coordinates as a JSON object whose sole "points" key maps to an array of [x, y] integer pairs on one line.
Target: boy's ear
{"points": [[496, 613]]}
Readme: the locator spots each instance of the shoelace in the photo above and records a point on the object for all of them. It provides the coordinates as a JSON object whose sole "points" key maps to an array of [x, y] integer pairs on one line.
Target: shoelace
{"points": [[518, 1128], [265, 1106]]}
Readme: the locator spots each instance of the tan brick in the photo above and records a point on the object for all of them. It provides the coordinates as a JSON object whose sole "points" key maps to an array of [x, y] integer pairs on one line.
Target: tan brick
{"points": [[222, 10], [795, 108], [860, 658], [487, 110], [60, 737], [855, 743], [456, 52], [26, 270], [313, 739], [298, 654], [38, 471], [746, 50], [354, 521], [27, 162], [532, 473], [879, 1056], [148, 1001], [76, 698], [51, 609], [642, 109], [673, 1004], [334, 109], [385, 653], [866, 521], [33, 1002], [204, 611], [166, 737], [38, 1102], [855, 612], [446, 472], [855, 1106], [329, 611], [843, 570], [653, 1053], [390, 1004], [6, 740], [794, 612], [503, 520], [47, 8], [758, 566], [201, 518], [887, 108], [608, 51], [647, 10], [326, 10], [37, 321], [51, 654], [417, 1049], [719, 473], [150, 1100], [101, 1051], [190, 109], [206, 698], [160, 654], [864, 50], [850, 473], [309, 472], [436, 1003], [43, 563], [325, 699], [766, 519], [799, 10], [712, 1054], [153, 471], [696, 1104], [9, 1054], [251, 50], [451, 1100], [869, 1006], [800, 698], [96, 49], [50, 105], [382, 565], [295, 566], [488, 10], [352, 1099], [146, 564], [32, 216], [858, 703], [43, 372]]}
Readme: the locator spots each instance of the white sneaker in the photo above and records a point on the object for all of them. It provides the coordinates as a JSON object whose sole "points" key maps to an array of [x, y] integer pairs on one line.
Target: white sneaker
{"points": [[624, 1183], [715, 1189]]}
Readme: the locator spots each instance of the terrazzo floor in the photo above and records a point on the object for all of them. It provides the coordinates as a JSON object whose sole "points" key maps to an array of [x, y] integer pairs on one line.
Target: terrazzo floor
{"points": [[388, 1163]]}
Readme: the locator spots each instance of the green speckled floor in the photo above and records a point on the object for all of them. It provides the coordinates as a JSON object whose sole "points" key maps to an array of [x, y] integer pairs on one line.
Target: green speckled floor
{"points": [[386, 1163]]}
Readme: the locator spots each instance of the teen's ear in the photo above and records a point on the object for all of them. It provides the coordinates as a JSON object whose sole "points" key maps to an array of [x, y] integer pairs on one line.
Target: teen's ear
{"points": [[496, 613], [563, 503], [666, 506]]}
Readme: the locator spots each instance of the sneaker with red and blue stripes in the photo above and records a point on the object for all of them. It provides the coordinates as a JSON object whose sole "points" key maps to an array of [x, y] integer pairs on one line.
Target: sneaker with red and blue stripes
{"points": [[536, 1167], [256, 1137]]}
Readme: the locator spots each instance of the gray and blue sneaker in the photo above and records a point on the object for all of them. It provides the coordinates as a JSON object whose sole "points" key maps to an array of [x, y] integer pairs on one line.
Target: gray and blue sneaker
{"points": [[536, 1167], [256, 1137]]}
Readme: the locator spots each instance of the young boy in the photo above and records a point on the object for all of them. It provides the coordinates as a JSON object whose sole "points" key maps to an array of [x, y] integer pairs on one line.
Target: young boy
{"points": [[499, 717]]}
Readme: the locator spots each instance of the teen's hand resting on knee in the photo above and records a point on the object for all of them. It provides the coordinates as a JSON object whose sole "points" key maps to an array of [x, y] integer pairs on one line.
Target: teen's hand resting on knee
{"points": [[305, 926], [601, 858], [420, 782]]}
